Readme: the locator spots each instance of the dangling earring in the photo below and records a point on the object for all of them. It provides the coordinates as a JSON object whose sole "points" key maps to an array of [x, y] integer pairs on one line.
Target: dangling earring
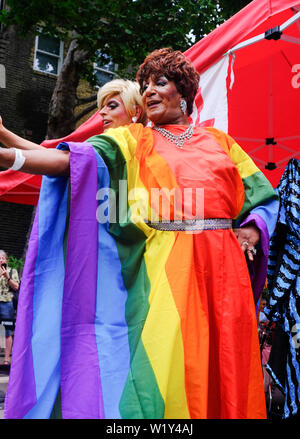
{"points": [[183, 105], [134, 119]]}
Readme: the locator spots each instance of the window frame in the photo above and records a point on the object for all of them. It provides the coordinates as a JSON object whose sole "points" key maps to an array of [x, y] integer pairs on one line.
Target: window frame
{"points": [[51, 55], [102, 69]]}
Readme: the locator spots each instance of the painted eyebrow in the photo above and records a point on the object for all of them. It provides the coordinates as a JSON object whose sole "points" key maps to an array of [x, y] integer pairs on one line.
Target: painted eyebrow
{"points": [[112, 100], [156, 79]]}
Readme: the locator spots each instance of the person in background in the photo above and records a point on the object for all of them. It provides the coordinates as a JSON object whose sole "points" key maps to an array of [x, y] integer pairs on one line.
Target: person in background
{"points": [[9, 282], [262, 317]]}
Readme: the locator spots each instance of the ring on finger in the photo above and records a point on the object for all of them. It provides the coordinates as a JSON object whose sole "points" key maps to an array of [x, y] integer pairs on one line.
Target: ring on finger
{"points": [[252, 250]]}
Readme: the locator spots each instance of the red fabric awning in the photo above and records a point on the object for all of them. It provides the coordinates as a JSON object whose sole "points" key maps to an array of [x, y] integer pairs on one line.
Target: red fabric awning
{"points": [[18, 187], [263, 102]]}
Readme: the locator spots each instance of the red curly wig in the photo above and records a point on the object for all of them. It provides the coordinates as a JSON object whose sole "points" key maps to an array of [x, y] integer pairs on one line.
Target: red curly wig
{"points": [[175, 67]]}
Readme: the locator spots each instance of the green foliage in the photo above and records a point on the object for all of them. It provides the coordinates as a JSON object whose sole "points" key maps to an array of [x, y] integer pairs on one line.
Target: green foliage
{"points": [[126, 30], [13, 262]]}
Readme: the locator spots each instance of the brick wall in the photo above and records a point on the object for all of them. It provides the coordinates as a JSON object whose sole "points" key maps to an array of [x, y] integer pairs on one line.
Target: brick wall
{"points": [[15, 223], [24, 104], [25, 100], [24, 109]]}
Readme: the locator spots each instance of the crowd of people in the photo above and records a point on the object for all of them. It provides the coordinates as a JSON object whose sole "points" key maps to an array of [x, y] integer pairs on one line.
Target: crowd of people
{"points": [[155, 296]]}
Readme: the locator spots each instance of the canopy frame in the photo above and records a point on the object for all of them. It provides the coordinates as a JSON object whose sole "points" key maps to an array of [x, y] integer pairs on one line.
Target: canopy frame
{"points": [[274, 33]]}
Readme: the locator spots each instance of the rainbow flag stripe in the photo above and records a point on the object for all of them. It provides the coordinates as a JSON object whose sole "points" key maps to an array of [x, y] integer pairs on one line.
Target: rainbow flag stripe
{"points": [[112, 321]]}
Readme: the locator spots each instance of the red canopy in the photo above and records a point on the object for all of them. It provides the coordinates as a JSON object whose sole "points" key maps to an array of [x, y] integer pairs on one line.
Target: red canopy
{"points": [[261, 92], [249, 87], [18, 187]]}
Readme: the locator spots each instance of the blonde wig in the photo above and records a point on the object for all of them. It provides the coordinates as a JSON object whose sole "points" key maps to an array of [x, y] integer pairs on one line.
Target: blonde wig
{"points": [[129, 92]]}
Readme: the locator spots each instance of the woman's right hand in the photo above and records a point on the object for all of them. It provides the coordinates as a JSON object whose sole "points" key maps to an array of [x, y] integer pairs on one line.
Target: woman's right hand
{"points": [[10, 139], [2, 132]]}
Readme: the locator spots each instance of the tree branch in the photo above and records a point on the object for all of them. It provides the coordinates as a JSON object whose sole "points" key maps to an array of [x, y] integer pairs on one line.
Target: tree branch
{"points": [[85, 111], [81, 101]]}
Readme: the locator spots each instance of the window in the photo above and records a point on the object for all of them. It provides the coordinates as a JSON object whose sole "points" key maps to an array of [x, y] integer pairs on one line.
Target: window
{"points": [[48, 55], [105, 72]]}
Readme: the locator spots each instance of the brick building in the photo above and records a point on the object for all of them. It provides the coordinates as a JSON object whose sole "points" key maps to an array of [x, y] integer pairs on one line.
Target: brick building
{"points": [[24, 102], [25, 99], [28, 71]]}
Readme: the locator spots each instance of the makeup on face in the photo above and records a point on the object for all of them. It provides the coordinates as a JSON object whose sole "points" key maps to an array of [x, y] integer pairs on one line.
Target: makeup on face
{"points": [[162, 101], [114, 113]]}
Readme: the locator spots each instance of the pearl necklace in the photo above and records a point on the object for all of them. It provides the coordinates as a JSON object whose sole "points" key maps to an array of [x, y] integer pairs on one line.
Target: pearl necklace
{"points": [[178, 140]]}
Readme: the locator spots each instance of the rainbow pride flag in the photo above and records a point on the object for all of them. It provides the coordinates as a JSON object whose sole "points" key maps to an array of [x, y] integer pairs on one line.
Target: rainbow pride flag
{"points": [[118, 320]]}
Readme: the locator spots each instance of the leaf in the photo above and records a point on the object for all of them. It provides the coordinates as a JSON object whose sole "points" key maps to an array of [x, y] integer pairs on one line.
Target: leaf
{"points": [[124, 30]]}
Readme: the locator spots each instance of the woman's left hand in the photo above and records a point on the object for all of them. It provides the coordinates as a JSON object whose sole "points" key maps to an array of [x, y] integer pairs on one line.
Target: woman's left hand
{"points": [[248, 237]]}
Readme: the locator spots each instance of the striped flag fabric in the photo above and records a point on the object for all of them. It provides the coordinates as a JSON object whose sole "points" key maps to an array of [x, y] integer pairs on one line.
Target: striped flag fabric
{"points": [[118, 320]]}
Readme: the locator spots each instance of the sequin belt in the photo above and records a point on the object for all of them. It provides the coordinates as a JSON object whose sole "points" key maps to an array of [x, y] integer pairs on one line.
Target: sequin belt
{"points": [[193, 224]]}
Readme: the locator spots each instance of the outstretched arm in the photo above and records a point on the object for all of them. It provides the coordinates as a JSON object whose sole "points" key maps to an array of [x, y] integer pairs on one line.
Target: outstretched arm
{"points": [[53, 162], [10, 139]]}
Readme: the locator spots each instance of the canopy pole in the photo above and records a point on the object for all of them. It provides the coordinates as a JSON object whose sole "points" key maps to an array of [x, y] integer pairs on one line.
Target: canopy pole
{"points": [[245, 44], [270, 141], [290, 39], [289, 138], [292, 156], [261, 37], [290, 21], [296, 9]]}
